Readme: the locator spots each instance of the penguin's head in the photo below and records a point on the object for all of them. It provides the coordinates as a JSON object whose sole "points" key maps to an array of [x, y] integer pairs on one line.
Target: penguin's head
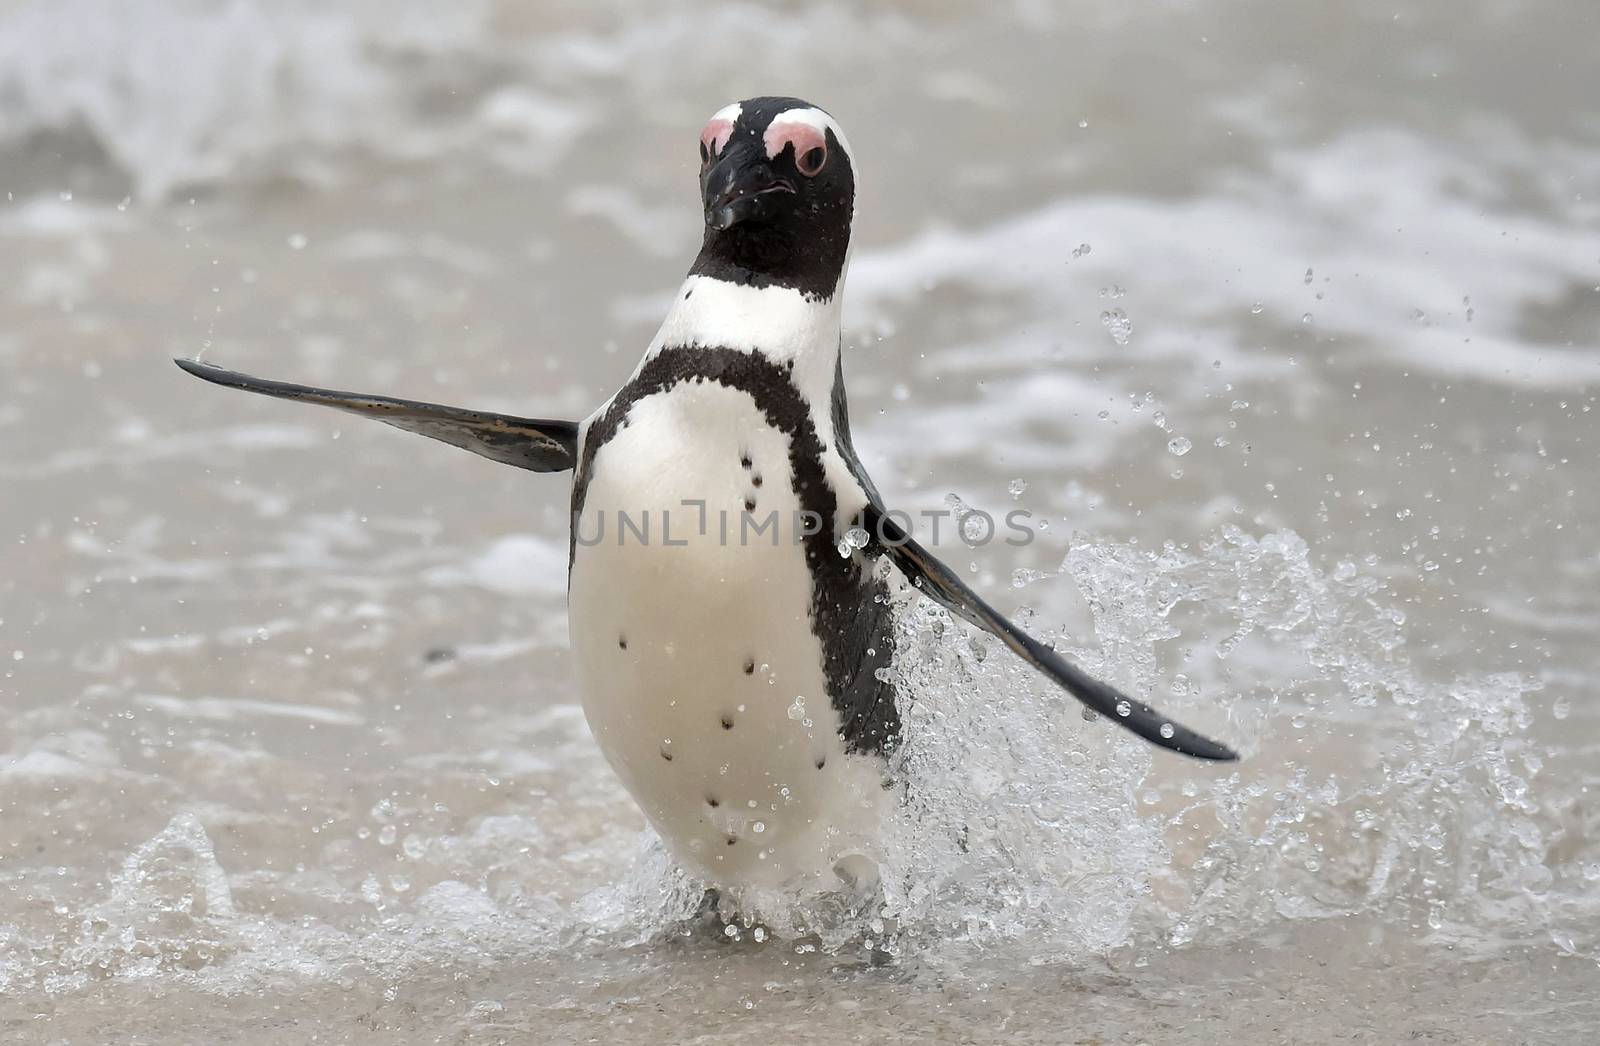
{"points": [[778, 186]]}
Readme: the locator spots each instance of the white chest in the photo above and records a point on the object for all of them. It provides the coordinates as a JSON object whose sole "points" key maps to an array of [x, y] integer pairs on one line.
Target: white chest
{"points": [[702, 678]]}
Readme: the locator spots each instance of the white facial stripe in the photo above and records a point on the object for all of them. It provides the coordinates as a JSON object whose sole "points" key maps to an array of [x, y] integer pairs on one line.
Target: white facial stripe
{"points": [[715, 137], [719, 129], [815, 119], [802, 136]]}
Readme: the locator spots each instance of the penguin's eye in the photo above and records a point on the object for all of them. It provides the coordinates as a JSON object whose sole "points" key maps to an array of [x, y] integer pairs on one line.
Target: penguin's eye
{"points": [[809, 142], [810, 162]]}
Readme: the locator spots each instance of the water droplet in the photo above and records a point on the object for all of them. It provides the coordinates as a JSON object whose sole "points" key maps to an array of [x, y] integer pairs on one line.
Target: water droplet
{"points": [[975, 527], [386, 835], [1179, 446], [1308, 278], [1561, 708], [1116, 322], [1016, 487], [1255, 310], [1124, 709], [854, 539], [1305, 317], [1167, 731]]}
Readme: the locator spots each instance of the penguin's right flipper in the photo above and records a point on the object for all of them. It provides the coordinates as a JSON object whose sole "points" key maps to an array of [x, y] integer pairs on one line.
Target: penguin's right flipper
{"points": [[941, 584], [527, 443]]}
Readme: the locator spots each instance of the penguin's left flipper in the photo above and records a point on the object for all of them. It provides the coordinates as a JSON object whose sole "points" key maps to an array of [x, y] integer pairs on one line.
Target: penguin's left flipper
{"points": [[527, 443], [940, 583]]}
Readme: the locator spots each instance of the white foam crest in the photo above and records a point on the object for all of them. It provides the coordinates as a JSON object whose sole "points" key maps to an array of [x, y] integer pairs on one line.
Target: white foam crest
{"points": [[189, 93], [1362, 210], [515, 564], [176, 94], [230, 709]]}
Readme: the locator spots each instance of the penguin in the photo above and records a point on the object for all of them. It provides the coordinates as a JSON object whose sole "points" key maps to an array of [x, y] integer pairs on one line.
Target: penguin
{"points": [[730, 561]]}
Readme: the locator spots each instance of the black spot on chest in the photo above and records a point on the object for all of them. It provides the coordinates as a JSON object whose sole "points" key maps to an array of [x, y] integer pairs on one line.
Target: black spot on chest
{"points": [[850, 615]]}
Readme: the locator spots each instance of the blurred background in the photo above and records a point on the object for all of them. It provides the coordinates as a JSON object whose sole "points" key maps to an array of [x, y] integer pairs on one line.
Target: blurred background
{"points": [[1283, 320]]}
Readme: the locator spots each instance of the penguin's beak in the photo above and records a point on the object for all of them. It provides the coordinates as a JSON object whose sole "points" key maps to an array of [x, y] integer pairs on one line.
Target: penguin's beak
{"points": [[741, 186]]}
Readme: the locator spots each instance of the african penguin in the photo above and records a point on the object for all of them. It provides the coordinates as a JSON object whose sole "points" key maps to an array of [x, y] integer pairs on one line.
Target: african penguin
{"points": [[729, 623]]}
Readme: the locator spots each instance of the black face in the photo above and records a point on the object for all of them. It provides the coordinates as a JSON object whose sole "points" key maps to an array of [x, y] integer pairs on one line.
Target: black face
{"points": [[779, 194]]}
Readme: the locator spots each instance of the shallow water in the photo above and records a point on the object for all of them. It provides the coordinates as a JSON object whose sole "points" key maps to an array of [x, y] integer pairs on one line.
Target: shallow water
{"points": [[1282, 320]]}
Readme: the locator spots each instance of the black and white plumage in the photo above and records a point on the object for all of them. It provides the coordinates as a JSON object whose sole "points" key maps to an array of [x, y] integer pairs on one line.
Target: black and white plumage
{"points": [[731, 659]]}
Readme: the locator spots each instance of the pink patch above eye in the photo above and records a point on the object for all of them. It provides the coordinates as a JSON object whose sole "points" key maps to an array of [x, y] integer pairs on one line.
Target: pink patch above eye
{"points": [[715, 137], [803, 136]]}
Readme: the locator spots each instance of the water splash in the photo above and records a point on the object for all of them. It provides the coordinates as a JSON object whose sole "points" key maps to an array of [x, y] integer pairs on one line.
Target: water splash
{"points": [[1368, 787], [168, 909]]}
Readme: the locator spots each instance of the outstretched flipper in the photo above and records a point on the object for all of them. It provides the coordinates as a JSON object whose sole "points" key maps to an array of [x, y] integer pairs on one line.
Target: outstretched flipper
{"points": [[527, 443], [940, 583]]}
